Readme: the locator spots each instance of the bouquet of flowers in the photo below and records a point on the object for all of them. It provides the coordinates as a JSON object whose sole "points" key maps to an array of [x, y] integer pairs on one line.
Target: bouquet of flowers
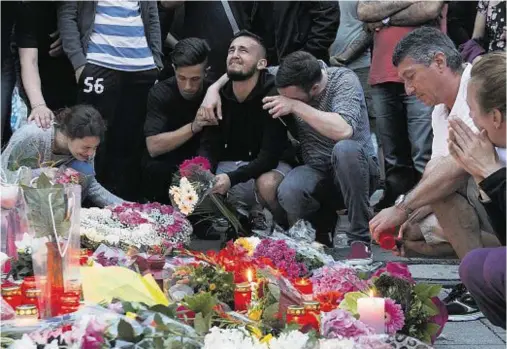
{"points": [[149, 227], [282, 257], [192, 184]]}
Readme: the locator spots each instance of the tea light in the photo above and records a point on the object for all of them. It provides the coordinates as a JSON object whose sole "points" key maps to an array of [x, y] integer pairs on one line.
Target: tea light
{"points": [[304, 286], [371, 311], [26, 314], [242, 297], [296, 315], [12, 295], [312, 314]]}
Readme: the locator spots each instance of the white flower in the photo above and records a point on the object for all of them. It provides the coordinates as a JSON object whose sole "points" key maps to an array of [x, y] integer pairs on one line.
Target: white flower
{"points": [[174, 190], [291, 340], [184, 183], [336, 344], [112, 239], [24, 343], [231, 339], [29, 244], [190, 199]]}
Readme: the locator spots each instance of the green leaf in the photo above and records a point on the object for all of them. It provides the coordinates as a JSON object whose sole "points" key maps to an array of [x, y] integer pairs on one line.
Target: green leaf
{"points": [[275, 291], [200, 324], [427, 290], [432, 328], [270, 312], [429, 307], [125, 331], [169, 311], [201, 303], [349, 302]]}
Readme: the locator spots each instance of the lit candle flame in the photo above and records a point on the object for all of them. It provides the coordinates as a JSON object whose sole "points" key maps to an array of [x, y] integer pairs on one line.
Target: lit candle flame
{"points": [[302, 282], [249, 275]]}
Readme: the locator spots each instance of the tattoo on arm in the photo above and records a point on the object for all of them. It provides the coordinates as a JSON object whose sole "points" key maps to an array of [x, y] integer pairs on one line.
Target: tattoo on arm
{"points": [[374, 11], [356, 47], [417, 14]]}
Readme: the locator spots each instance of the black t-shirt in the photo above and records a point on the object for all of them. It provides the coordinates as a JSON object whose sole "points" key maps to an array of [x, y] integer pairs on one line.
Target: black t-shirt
{"points": [[169, 111], [37, 20], [9, 14]]}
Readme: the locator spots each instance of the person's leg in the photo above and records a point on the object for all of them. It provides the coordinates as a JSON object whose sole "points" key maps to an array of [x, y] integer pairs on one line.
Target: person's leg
{"points": [[353, 174], [391, 126], [127, 137], [156, 179], [100, 87], [483, 273], [420, 132], [242, 195], [266, 189], [362, 75]]}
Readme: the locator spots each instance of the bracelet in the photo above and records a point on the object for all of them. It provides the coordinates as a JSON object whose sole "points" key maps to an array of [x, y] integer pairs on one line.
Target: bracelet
{"points": [[38, 105]]}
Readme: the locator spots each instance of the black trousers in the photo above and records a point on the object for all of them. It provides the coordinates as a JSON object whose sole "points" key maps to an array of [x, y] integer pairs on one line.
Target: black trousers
{"points": [[157, 176], [121, 99]]}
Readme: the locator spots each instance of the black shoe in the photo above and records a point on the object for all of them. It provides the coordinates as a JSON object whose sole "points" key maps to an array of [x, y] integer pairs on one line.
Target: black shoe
{"points": [[258, 220], [461, 306]]}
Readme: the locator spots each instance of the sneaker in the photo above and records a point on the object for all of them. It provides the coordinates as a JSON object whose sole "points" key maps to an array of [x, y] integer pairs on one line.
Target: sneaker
{"points": [[258, 220], [461, 306]]}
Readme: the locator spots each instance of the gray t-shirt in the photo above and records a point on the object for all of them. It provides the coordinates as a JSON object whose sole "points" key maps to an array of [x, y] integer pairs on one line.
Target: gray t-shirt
{"points": [[343, 95], [349, 30]]}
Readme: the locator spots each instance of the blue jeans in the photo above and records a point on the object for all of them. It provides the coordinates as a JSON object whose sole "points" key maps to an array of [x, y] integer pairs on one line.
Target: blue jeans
{"points": [[353, 177], [404, 130]]}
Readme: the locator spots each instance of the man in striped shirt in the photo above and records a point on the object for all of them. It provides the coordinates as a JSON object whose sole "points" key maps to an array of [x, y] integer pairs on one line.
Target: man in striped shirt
{"points": [[331, 123], [115, 49]]}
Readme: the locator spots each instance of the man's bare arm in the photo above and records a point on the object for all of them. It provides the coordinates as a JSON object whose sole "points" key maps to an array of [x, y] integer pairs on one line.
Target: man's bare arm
{"points": [[356, 47], [442, 177], [374, 11], [417, 13]]}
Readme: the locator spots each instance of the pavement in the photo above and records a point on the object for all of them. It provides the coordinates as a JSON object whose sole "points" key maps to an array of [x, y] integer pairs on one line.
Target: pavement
{"points": [[456, 335]]}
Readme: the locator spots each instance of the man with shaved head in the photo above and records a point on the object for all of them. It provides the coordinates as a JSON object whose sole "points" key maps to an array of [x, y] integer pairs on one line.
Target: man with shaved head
{"points": [[246, 145]]}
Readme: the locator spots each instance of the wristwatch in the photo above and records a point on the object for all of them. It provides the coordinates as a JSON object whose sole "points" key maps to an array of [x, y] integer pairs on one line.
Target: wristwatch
{"points": [[386, 21], [400, 204]]}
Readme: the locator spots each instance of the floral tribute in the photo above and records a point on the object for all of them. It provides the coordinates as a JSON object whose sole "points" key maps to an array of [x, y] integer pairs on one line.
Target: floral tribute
{"points": [[143, 226], [282, 257]]}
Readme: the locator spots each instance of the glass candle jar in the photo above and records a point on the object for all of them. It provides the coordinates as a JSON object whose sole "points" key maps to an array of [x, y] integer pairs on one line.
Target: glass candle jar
{"points": [[12, 295], [33, 296], [27, 311], [28, 284], [312, 314], [242, 297], [304, 286], [69, 302], [296, 315]]}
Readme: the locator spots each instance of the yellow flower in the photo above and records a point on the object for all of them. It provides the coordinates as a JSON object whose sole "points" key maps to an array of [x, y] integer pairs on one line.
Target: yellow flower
{"points": [[243, 242], [267, 338], [255, 314], [212, 287], [254, 330]]}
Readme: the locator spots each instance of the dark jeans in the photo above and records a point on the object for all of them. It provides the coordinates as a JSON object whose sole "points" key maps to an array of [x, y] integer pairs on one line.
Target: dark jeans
{"points": [[362, 75], [352, 179], [404, 130], [121, 99], [156, 179], [8, 82], [483, 273]]}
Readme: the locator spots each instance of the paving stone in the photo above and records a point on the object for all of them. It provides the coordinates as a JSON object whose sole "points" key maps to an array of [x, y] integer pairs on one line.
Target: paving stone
{"points": [[434, 272], [500, 332], [470, 333]]}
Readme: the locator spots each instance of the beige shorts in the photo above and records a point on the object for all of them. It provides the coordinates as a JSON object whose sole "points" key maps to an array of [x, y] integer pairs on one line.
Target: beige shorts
{"points": [[430, 228]]}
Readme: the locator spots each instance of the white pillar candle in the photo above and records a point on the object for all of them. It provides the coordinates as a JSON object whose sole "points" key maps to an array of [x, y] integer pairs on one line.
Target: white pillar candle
{"points": [[371, 311]]}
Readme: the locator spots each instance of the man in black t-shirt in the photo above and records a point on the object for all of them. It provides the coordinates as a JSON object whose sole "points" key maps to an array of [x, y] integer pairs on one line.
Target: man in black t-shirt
{"points": [[173, 123]]}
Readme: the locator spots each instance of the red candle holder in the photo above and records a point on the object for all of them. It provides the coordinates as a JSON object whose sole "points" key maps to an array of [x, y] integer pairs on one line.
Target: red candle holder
{"points": [[69, 303], [304, 286], [242, 297], [33, 296], [387, 239], [12, 295], [29, 283], [296, 315], [312, 314]]}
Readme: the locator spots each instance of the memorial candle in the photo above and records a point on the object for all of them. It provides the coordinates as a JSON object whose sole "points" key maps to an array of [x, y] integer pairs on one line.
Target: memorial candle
{"points": [[371, 312], [304, 286], [242, 297], [296, 315]]}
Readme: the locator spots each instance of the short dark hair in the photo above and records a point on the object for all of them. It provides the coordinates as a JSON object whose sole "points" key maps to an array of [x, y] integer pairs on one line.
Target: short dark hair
{"points": [[251, 35], [190, 51], [300, 69], [423, 44], [80, 121]]}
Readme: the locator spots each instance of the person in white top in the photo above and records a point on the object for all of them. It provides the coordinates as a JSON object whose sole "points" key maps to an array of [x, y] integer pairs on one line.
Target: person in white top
{"points": [[442, 214]]}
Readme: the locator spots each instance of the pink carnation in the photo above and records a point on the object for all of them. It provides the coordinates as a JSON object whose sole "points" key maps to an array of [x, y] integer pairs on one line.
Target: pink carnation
{"points": [[341, 324], [282, 256], [398, 270], [188, 167], [395, 319]]}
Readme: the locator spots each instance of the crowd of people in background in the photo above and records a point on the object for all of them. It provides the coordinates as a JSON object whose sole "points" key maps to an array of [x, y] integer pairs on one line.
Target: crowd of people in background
{"points": [[302, 108]]}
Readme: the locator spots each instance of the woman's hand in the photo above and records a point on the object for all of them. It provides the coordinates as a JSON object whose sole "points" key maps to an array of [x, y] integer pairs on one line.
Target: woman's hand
{"points": [[42, 116], [474, 152]]}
